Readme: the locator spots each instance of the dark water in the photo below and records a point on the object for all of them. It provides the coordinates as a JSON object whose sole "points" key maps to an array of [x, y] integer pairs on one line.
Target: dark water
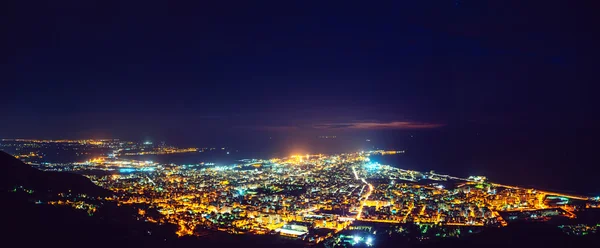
{"points": [[550, 159], [218, 157], [547, 159]]}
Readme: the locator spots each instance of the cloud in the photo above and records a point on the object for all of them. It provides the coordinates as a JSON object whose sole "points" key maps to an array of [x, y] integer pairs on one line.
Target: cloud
{"points": [[358, 125], [332, 126], [379, 125]]}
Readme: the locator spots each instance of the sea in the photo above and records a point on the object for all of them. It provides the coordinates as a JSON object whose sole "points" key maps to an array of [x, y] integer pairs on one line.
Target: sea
{"points": [[559, 163], [548, 159]]}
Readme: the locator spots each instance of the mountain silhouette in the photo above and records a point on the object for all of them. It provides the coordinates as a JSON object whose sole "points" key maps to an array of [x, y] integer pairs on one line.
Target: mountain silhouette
{"points": [[27, 224], [15, 173], [43, 225]]}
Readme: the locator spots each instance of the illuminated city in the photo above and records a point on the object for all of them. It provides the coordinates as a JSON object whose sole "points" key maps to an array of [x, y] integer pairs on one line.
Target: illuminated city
{"points": [[311, 197], [299, 124]]}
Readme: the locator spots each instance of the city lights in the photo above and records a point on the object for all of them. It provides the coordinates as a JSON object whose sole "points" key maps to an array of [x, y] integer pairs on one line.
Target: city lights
{"points": [[294, 195]]}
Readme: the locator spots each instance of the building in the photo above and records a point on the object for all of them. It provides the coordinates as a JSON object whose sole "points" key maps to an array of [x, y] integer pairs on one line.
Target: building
{"points": [[294, 229]]}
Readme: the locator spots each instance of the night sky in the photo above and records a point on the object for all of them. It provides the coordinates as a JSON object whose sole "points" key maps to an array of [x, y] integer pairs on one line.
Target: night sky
{"points": [[506, 75]]}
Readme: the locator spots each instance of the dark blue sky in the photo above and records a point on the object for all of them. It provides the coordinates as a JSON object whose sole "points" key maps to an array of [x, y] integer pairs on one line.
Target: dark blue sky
{"points": [[134, 69], [499, 88]]}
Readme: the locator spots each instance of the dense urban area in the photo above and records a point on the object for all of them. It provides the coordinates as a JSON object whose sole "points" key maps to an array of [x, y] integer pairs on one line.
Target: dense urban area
{"points": [[333, 199]]}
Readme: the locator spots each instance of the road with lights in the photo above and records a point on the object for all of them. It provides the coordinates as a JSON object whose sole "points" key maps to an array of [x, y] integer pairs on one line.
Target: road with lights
{"points": [[296, 195]]}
